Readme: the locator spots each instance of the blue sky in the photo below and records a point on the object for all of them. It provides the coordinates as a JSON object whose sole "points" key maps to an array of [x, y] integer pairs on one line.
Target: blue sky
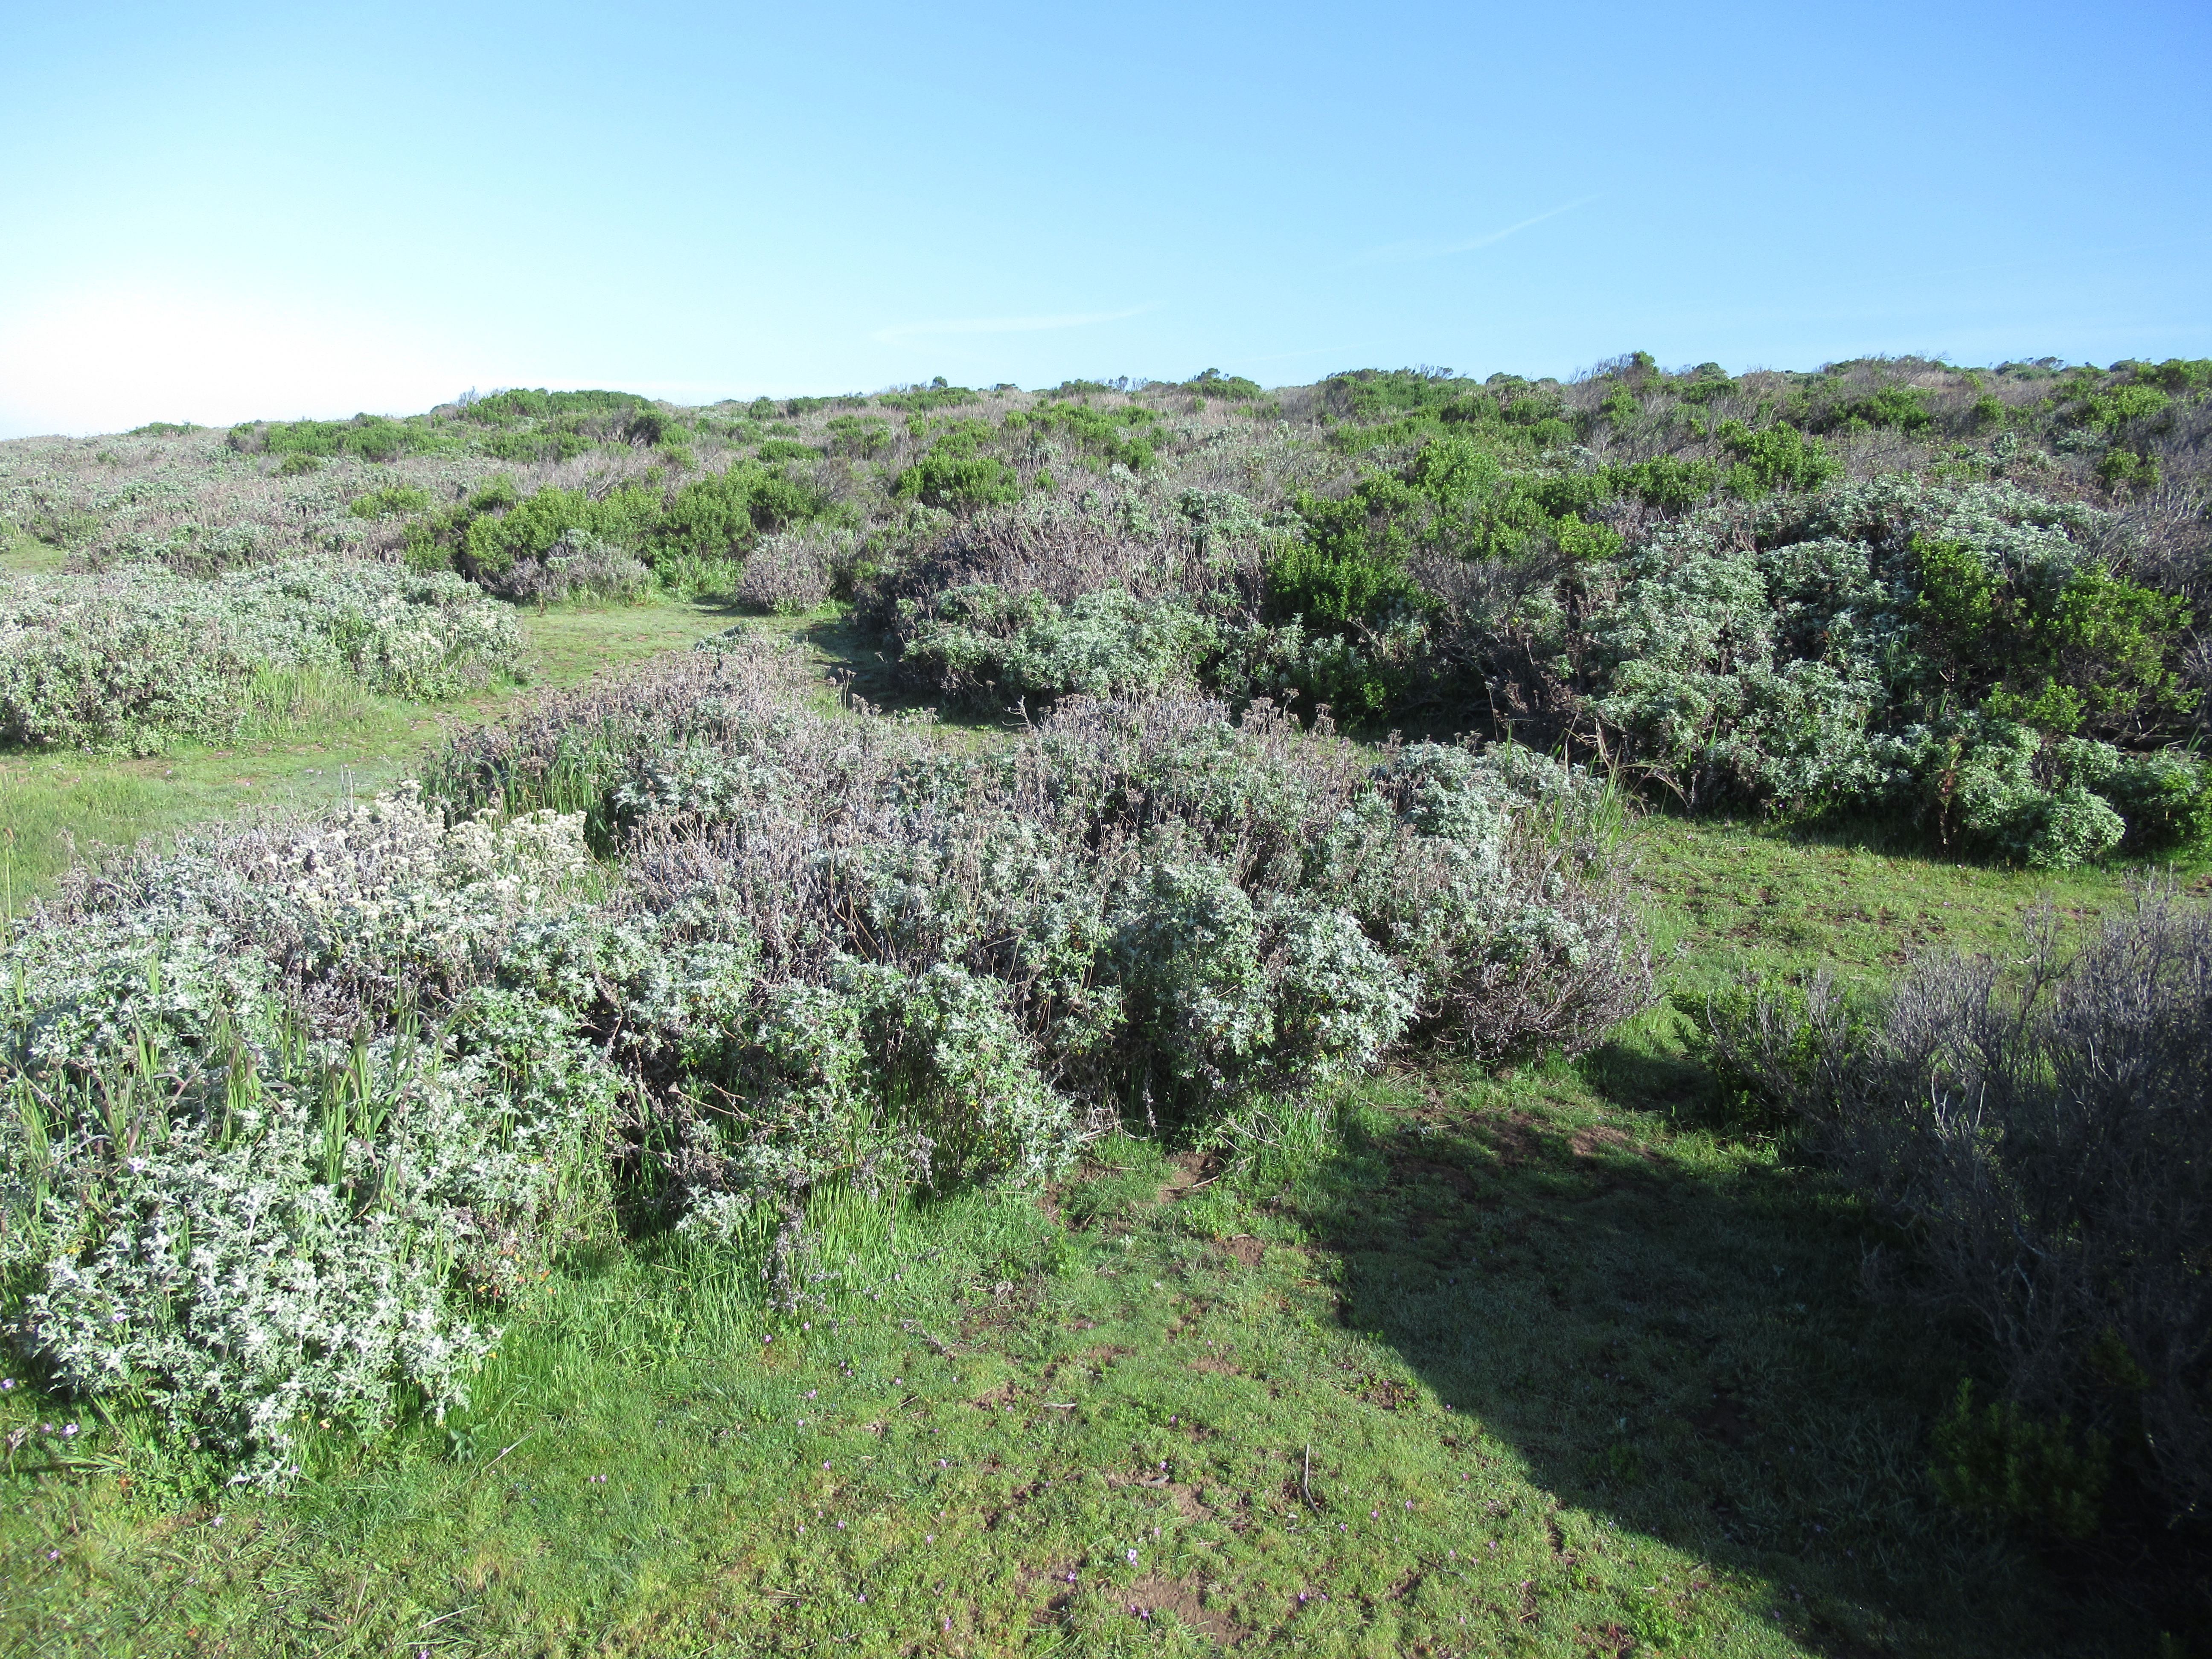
{"points": [[215, 214]]}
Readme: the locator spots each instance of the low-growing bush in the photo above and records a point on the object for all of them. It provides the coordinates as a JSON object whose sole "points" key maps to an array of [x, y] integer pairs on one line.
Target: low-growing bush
{"points": [[2042, 1129], [1104, 644], [135, 659], [294, 1109], [240, 1181]]}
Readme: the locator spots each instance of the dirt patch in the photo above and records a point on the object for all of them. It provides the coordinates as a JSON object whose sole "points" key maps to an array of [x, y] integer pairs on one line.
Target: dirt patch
{"points": [[1385, 1393], [1588, 1143], [1153, 1595], [1247, 1249], [1215, 1365], [994, 1399], [1187, 1170]]}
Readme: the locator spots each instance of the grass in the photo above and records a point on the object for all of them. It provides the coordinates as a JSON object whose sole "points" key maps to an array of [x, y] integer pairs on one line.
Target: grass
{"points": [[1528, 1363], [314, 742], [1490, 1366]]}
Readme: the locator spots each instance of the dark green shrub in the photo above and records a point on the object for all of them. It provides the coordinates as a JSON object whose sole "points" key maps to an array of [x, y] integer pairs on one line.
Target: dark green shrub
{"points": [[1127, 435], [511, 407], [2175, 374], [783, 449], [1352, 556], [392, 501], [1707, 381], [1777, 457], [294, 464], [926, 399], [861, 436], [718, 516], [2010, 1470], [957, 472], [1669, 483], [2125, 468], [1905, 408], [2122, 405], [1230, 388]]}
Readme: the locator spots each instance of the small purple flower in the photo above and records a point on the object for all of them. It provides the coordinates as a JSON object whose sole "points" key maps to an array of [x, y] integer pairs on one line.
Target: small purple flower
{"points": [[1132, 1558]]}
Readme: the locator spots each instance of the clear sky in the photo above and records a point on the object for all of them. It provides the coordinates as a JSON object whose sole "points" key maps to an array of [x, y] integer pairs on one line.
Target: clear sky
{"points": [[237, 210]]}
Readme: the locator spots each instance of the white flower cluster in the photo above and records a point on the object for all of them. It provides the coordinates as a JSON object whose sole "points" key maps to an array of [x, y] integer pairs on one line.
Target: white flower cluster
{"points": [[211, 1206]]}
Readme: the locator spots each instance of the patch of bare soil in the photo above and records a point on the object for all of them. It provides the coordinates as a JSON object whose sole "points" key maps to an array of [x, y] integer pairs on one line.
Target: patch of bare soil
{"points": [[1154, 1595], [1185, 1171], [1515, 1137]]}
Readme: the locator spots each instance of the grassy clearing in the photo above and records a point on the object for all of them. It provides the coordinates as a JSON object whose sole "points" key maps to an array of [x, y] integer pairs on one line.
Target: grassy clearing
{"points": [[314, 740]]}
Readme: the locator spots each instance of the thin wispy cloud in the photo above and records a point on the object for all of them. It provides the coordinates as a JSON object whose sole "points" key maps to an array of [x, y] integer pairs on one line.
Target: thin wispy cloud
{"points": [[903, 333], [1392, 253]]}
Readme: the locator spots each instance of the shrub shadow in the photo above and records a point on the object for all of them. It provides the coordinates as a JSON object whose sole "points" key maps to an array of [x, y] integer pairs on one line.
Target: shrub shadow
{"points": [[1682, 1342]]}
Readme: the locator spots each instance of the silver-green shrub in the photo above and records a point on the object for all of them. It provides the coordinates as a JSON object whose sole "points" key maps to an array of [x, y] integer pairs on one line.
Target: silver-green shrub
{"points": [[261, 1157], [136, 657]]}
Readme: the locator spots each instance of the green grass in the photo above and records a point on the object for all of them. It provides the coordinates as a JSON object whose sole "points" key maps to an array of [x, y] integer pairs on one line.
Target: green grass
{"points": [[1522, 1364], [318, 741], [1489, 1367]]}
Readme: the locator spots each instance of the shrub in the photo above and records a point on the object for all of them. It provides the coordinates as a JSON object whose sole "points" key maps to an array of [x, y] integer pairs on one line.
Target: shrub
{"points": [[392, 501], [794, 571], [1774, 459], [1897, 642], [226, 1199], [134, 658], [955, 475], [1105, 644], [2003, 1466], [2039, 1128], [578, 566], [1483, 902]]}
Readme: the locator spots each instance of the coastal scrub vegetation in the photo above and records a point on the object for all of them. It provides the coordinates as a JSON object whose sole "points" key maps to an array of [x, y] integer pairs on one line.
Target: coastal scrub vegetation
{"points": [[1332, 855]]}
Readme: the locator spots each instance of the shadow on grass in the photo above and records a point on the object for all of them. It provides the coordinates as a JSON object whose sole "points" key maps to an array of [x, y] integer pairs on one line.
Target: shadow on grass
{"points": [[1676, 1337]]}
